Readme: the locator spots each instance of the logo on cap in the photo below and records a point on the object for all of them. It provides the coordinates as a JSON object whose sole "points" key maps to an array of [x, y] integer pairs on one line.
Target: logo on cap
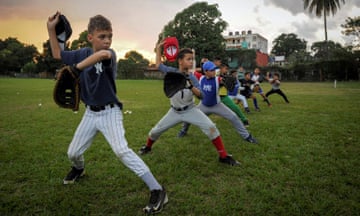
{"points": [[171, 48]]}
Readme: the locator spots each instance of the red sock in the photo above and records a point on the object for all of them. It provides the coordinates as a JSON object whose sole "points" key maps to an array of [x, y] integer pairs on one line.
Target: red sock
{"points": [[219, 145], [149, 142]]}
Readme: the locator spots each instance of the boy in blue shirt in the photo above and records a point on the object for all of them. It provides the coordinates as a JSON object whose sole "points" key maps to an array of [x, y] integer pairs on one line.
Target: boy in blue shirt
{"points": [[211, 102], [97, 68]]}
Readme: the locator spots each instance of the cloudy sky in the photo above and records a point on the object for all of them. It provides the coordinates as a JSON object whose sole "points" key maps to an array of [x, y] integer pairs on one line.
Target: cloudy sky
{"points": [[137, 23]]}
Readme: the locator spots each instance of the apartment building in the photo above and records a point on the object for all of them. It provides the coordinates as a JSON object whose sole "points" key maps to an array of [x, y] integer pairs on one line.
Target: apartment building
{"points": [[246, 40]]}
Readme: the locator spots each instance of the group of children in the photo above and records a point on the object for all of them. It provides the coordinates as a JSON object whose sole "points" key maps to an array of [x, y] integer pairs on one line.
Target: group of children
{"points": [[249, 84], [97, 67]]}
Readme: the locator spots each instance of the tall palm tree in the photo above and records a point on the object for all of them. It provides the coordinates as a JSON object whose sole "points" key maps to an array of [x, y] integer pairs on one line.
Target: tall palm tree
{"points": [[323, 7]]}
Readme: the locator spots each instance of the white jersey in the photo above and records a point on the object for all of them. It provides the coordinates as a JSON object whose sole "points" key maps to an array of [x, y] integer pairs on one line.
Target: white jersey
{"points": [[255, 78]]}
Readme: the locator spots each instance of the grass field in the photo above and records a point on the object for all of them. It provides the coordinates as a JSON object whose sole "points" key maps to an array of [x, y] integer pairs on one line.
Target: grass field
{"points": [[307, 162]]}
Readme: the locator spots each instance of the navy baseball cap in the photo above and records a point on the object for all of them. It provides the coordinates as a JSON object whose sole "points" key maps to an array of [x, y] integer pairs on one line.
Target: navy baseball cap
{"points": [[209, 66]]}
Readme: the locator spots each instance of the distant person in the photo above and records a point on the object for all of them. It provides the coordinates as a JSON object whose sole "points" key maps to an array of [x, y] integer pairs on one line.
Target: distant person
{"points": [[235, 94], [275, 86], [257, 77], [241, 73], [245, 85], [223, 92]]}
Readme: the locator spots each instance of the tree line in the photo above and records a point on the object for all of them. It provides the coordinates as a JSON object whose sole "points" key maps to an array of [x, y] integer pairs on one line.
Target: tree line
{"points": [[200, 27]]}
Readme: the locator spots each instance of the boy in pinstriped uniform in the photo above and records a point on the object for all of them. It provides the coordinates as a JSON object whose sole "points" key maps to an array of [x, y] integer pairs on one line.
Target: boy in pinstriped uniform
{"points": [[97, 68]]}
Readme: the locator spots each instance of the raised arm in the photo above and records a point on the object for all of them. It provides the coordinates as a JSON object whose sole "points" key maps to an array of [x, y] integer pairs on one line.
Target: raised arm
{"points": [[158, 53], [51, 24]]}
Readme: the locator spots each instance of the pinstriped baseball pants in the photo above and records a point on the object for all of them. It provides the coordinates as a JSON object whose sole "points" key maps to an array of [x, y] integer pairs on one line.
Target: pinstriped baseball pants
{"points": [[109, 122]]}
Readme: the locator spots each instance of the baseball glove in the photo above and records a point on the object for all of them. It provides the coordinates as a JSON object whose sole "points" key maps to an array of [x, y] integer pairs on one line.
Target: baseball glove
{"points": [[67, 90], [173, 82], [229, 82], [63, 29], [256, 88]]}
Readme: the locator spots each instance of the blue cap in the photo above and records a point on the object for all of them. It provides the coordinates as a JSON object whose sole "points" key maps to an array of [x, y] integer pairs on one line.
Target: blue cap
{"points": [[209, 66]]}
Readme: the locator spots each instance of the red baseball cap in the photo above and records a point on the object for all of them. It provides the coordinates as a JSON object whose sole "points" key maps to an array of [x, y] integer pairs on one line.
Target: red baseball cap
{"points": [[171, 48]]}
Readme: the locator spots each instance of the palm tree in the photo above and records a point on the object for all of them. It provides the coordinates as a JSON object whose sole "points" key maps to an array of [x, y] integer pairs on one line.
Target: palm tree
{"points": [[323, 7]]}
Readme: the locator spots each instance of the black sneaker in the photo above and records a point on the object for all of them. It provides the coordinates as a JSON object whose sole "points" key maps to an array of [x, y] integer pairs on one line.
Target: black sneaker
{"points": [[144, 150], [73, 175], [229, 160], [246, 123], [251, 139], [247, 110], [157, 201], [181, 133]]}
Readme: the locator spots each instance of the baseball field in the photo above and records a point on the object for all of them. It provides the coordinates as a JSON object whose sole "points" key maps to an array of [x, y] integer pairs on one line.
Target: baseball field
{"points": [[307, 162]]}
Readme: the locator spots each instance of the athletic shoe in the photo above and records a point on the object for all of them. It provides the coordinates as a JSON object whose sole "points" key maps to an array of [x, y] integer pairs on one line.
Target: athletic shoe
{"points": [[157, 201], [144, 150], [73, 175], [257, 109], [247, 110], [251, 139], [229, 160], [181, 133], [246, 123]]}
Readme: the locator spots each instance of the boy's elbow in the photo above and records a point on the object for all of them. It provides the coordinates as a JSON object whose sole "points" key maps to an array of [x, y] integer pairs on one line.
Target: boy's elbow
{"points": [[57, 56]]}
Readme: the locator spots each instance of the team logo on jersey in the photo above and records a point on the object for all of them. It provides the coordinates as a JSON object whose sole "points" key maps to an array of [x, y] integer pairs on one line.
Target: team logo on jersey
{"points": [[207, 88], [99, 68]]}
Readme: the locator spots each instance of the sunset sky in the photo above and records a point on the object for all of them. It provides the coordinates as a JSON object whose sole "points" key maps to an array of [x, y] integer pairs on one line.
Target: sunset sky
{"points": [[137, 23]]}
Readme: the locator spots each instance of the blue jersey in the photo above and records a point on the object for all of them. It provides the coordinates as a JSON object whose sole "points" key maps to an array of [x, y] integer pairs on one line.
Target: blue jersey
{"points": [[210, 91], [97, 82]]}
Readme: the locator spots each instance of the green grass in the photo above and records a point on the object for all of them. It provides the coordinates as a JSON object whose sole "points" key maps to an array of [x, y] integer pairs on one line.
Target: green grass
{"points": [[307, 162]]}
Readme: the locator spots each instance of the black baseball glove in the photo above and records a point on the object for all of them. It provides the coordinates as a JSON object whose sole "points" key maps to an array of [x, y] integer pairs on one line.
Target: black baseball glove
{"points": [[173, 82], [67, 89], [63, 31], [229, 82]]}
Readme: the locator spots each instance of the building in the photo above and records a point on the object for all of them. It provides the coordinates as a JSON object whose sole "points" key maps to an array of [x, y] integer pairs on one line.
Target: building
{"points": [[246, 40]]}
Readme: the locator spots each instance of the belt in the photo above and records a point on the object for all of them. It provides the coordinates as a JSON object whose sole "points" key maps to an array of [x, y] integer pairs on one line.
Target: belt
{"points": [[98, 108], [180, 108]]}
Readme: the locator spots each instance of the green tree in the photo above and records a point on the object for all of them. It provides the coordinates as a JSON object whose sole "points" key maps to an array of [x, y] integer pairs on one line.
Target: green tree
{"points": [[323, 49], [45, 61], [287, 44], [323, 8], [338, 61], [200, 27], [29, 68], [81, 42], [352, 27], [132, 67], [14, 55]]}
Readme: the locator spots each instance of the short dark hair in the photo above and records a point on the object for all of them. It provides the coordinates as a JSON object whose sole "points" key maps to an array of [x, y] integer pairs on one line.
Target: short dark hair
{"points": [[182, 53], [224, 65], [99, 22], [233, 71], [246, 73]]}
